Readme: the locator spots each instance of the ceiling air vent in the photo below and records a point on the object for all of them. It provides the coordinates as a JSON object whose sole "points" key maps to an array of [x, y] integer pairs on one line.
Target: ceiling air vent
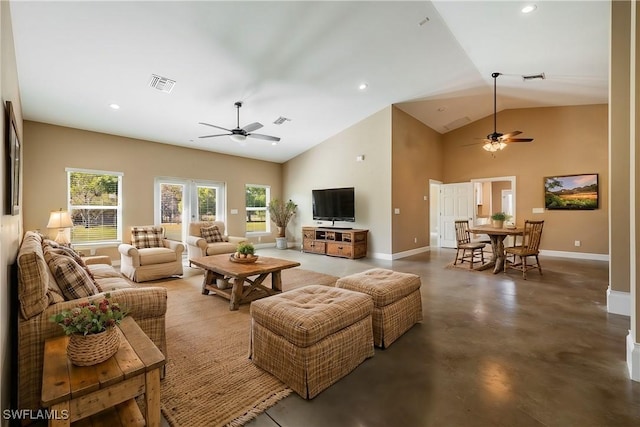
{"points": [[163, 84], [280, 120], [540, 76]]}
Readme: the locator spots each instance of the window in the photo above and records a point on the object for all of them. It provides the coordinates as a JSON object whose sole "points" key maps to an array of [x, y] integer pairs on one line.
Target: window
{"points": [[95, 200], [257, 199]]}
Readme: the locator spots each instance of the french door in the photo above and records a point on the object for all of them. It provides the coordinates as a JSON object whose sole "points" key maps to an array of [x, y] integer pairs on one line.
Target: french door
{"points": [[179, 202]]}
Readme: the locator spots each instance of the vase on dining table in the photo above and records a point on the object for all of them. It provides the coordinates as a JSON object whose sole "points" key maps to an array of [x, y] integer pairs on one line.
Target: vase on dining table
{"points": [[496, 223]]}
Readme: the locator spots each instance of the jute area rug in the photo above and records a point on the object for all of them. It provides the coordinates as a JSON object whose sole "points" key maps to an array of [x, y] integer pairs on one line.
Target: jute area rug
{"points": [[210, 380]]}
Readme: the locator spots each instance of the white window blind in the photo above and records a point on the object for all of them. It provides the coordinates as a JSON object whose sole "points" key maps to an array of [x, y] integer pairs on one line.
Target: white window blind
{"points": [[95, 205]]}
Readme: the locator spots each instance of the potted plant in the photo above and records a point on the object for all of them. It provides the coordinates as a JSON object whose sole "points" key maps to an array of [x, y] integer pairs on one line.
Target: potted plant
{"points": [[91, 329], [498, 219], [281, 213]]}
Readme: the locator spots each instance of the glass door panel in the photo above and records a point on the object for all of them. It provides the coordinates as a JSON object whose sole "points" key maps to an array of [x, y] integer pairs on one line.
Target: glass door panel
{"points": [[207, 197], [171, 209]]}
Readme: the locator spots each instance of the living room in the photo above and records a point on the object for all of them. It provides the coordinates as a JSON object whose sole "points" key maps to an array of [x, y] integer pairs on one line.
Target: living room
{"points": [[401, 155]]}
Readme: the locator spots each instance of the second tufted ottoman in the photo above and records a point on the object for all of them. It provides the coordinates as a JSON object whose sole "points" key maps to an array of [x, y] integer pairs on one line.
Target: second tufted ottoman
{"points": [[311, 337], [397, 305]]}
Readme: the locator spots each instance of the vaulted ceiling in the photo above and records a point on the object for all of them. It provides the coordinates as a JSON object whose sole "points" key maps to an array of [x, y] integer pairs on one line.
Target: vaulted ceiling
{"points": [[299, 60]]}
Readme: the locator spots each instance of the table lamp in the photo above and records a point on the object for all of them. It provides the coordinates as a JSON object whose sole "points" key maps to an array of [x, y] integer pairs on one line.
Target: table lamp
{"points": [[60, 220]]}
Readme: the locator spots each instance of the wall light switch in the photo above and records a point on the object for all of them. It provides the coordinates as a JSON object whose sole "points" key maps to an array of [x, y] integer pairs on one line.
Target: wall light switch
{"points": [[234, 211], [537, 210], [396, 211]]}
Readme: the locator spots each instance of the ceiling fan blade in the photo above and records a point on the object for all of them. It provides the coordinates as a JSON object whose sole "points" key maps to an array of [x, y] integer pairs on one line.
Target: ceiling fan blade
{"points": [[213, 136], [260, 136], [518, 140], [214, 126], [510, 134], [252, 126]]}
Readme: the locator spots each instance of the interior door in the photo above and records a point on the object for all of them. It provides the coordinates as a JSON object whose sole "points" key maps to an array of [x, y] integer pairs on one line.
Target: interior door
{"points": [[456, 202]]}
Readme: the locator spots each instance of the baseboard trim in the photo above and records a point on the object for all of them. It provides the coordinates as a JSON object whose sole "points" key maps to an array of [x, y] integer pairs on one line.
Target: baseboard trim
{"points": [[633, 358], [398, 255], [618, 302], [576, 255]]}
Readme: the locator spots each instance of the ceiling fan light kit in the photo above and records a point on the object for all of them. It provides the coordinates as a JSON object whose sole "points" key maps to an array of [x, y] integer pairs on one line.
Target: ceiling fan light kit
{"points": [[498, 141]]}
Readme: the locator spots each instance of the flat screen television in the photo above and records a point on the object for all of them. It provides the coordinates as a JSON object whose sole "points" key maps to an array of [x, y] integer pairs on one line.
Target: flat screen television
{"points": [[334, 204]]}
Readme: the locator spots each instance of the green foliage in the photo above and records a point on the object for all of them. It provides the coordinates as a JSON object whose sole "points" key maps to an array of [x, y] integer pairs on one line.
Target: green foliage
{"points": [[500, 216], [245, 248], [256, 197], [90, 317]]}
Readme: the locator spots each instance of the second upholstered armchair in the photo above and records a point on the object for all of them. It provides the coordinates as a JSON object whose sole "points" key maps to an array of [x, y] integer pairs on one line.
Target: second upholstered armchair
{"points": [[150, 255], [209, 238]]}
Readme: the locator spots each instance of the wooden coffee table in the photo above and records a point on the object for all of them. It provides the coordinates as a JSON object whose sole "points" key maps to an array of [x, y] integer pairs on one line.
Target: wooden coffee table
{"points": [[221, 267], [104, 394]]}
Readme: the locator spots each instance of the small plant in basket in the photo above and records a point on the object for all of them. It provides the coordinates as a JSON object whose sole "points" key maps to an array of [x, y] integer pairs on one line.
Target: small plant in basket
{"points": [[90, 317], [244, 250], [93, 337]]}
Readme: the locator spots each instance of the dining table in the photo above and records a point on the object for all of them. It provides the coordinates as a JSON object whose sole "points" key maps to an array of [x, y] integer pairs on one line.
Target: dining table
{"points": [[496, 236]]}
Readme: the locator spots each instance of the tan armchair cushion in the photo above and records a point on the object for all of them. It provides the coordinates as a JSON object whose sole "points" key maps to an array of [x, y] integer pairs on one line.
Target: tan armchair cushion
{"points": [[151, 256]]}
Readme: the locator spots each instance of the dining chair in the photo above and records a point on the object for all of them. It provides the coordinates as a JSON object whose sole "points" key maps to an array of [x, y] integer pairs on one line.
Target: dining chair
{"points": [[529, 248], [465, 245]]}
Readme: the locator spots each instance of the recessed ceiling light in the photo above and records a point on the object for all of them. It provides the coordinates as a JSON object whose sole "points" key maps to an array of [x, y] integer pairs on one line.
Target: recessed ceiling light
{"points": [[363, 86], [274, 143], [114, 106], [529, 8]]}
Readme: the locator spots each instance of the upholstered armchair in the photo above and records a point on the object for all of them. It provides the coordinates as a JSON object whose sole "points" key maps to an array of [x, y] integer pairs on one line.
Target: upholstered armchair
{"points": [[149, 255], [209, 238]]}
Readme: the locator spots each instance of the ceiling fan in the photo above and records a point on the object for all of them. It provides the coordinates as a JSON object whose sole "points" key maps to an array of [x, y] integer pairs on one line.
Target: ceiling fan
{"points": [[497, 141], [240, 134]]}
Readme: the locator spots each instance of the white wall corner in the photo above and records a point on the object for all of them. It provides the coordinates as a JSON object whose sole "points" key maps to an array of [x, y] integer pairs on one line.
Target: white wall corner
{"points": [[618, 302], [633, 358]]}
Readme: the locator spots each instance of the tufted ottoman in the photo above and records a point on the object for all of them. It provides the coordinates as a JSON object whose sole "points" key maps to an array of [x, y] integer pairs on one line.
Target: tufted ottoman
{"points": [[396, 301], [311, 337]]}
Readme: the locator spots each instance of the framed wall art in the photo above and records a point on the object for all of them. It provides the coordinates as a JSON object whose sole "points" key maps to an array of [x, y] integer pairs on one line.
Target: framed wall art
{"points": [[13, 163], [571, 192]]}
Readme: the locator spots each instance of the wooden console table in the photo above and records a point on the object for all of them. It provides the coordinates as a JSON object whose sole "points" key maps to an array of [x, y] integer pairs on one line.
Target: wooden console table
{"points": [[107, 389], [339, 242]]}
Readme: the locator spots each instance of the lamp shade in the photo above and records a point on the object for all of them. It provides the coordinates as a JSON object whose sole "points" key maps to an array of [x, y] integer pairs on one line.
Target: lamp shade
{"points": [[60, 219]]}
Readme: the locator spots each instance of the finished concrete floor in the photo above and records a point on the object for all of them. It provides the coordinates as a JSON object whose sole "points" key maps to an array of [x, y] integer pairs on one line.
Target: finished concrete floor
{"points": [[492, 350]]}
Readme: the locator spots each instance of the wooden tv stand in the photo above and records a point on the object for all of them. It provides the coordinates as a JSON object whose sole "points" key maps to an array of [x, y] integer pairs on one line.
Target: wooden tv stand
{"points": [[339, 242]]}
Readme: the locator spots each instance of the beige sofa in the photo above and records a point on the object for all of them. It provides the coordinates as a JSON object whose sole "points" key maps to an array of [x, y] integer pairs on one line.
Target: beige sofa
{"points": [[197, 246], [40, 298], [151, 263]]}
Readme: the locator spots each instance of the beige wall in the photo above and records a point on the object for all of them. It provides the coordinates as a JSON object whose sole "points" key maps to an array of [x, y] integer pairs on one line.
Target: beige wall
{"points": [[333, 164], [10, 226], [416, 158], [50, 149], [568, 140]]}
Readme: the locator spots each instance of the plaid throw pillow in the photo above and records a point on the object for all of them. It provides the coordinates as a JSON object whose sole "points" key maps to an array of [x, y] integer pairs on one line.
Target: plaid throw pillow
{"points": [[147, 237], [71, 278], [211, 234], [63, 250]]}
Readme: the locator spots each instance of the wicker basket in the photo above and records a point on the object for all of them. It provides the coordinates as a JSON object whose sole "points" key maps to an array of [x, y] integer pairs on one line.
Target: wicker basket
{"points": [[247, 260], [87, 350]]}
